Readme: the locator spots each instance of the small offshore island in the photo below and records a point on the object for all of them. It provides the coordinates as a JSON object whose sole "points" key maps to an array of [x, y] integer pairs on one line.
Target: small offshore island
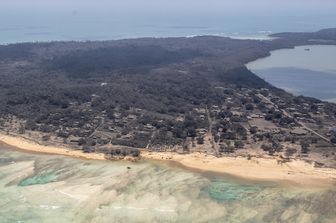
{"points": [[185, 100]]}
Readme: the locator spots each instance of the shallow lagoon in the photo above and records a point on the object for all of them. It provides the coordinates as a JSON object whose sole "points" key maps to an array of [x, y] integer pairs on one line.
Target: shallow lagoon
{"points": [[42, 188], [305, 70]]}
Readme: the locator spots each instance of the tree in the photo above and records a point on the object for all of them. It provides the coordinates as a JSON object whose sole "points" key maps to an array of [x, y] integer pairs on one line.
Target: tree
{"points": [[135, 152], [216, 138], [81, 141], [249, 107], [304, 146], [191, 132], [30, 125], [264, 93], [277, 114], [22, 130], [253, 129], [239, 144], [266, 147], [276, 146], [178, 132], [333, 140], [124, 152], [290, 152], [226, 149], [45, 128], [45, 137], [256, 100], [118, 151], [88, 149], [269, 117], [91, 142], [63, 134], [200, 140]]}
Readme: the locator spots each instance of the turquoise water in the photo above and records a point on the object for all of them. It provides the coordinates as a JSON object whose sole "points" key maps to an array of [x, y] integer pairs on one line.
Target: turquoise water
{"points": [[221, 190], [301, 71], [41, 188], [39, 179]]}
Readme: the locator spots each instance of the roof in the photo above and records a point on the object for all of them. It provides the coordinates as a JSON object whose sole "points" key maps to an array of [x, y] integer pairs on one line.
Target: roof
{"points": [[298, 131]]}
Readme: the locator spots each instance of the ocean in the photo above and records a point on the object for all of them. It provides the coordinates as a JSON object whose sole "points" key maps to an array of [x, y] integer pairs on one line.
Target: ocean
{"points": [[49, 188], [42, 26]]}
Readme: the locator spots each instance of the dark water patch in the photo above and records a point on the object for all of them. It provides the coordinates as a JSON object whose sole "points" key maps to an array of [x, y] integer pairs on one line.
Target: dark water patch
{"points": [[220, 190], [38, 179], [323, 202], [6, 160], [8, 155]]}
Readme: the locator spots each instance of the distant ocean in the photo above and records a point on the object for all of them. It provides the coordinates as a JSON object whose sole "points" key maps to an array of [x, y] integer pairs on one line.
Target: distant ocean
{"points": [[48, 26]]}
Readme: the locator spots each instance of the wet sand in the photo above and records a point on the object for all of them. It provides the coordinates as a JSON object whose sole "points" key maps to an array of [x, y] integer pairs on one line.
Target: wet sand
{"points": [[297, 172]]}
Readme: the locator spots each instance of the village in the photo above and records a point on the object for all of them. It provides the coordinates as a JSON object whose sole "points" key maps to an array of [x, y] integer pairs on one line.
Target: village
{"points": [[184, 95], [247, 122]]}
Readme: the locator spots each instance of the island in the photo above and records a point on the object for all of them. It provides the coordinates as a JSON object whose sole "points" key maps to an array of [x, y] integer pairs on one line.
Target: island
{"points": [[185, 100]]}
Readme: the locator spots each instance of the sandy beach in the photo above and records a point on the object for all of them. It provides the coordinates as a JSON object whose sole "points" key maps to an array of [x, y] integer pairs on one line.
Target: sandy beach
{"points": [[297, 172], [30, 146]]}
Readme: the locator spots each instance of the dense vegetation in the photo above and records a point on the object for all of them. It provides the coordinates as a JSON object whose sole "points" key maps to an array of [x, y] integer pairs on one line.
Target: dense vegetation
{"points": [[135, 93]]}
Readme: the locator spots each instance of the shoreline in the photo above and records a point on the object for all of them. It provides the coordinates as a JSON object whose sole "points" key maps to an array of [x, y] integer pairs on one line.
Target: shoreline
{"points": [[295, 172], [27, 145]]}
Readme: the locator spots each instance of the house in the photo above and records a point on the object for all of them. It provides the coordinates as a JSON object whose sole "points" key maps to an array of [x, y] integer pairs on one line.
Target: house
{"points": [[111, 129], [237, 113], [74, 140], [131, 117], [200, 110], [257, 116], [298, 132], [179, 119], [202, 131], [117, 115], [149, 127]]}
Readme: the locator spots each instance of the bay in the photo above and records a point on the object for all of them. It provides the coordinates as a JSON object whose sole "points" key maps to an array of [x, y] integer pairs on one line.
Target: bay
{"points": [[304, 70]]}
